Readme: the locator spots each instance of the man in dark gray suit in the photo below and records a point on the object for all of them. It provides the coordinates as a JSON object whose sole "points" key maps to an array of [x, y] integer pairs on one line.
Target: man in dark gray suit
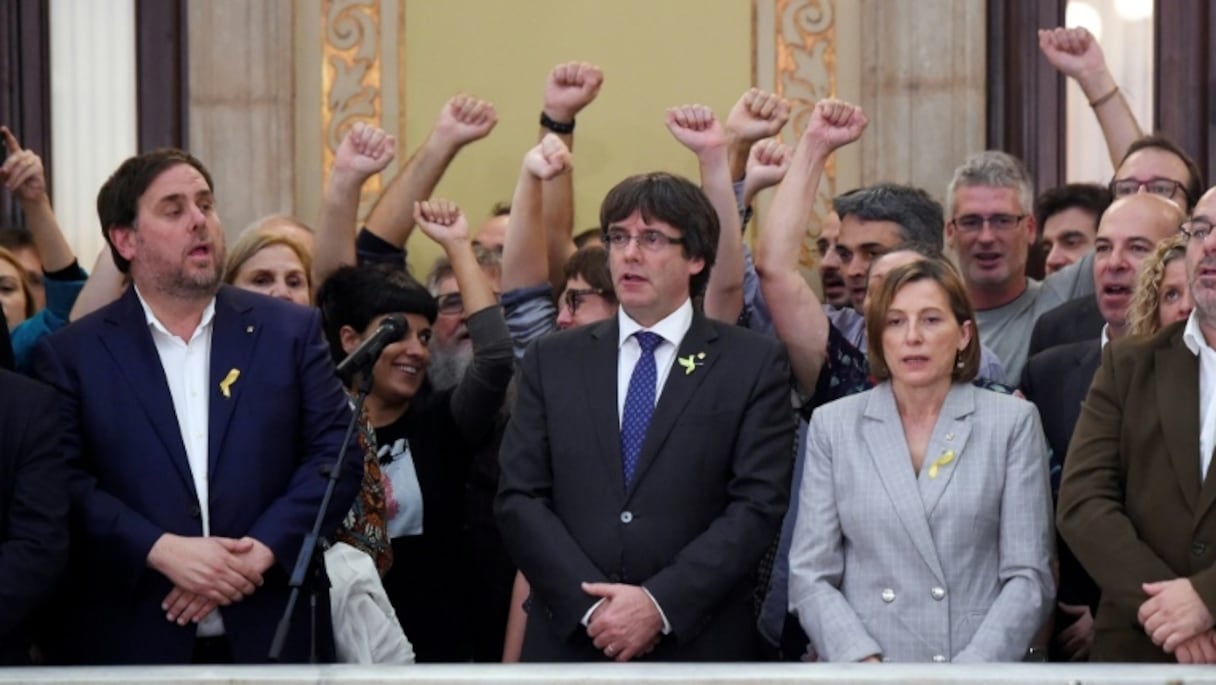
{"points": [[647, 464]]}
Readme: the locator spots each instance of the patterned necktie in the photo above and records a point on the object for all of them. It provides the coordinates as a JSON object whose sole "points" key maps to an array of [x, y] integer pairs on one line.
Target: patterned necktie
{"points": [[639, 403]]}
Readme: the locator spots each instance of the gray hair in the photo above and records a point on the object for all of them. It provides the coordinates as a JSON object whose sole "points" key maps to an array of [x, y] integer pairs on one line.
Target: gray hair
{"points": [[993, 169], [490, 260], [918, 215]]}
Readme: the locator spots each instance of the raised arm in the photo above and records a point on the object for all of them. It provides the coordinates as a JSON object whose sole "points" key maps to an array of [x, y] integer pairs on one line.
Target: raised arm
{"points": [[569, 88], [104, 285], [767, 164], [523, 253], [364, 152], [23, 176], [797, 313], [462, 120], [1076, 54], [696, 127], [757, 115]]}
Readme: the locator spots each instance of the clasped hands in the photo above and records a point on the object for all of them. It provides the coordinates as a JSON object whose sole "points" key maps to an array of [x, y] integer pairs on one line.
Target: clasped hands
{"points": [[1178, 621], [626, 623], [207, 572]]}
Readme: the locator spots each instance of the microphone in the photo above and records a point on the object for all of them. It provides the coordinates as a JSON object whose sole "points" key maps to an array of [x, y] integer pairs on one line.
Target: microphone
{"points": [[391, 329]]}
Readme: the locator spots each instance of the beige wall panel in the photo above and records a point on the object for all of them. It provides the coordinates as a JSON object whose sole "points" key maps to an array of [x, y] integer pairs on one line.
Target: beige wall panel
{"points": [[655, 53], [922, 85], [241, 105]]}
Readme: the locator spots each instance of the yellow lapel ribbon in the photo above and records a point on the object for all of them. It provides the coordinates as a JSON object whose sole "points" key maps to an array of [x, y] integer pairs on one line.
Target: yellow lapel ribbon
{"points": [[226, 384], [946, 458], [691, 362]]}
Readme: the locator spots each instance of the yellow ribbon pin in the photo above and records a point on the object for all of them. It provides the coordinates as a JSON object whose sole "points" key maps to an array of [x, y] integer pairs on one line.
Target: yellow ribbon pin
{"points": [[226, 384], [946, 458]]}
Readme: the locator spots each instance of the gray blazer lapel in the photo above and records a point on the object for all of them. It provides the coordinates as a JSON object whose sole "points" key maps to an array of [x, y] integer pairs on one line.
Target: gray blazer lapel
{"points": [[884, 437], [947, 445], [600, 392], [679, 388]]}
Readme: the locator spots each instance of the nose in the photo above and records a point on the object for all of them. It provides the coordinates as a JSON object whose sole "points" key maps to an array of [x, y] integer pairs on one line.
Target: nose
{"points": [[1185, 305], [1056, 259], [565, 317], [830, 262], [279, 290], [1118, 259]]}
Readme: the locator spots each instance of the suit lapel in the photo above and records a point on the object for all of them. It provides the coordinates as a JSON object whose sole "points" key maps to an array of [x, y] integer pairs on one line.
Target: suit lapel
{"points": [[233, 335], [680, 386], [1176, 373], [888, 448], [600, 391], [129, 342], [947, 445]]}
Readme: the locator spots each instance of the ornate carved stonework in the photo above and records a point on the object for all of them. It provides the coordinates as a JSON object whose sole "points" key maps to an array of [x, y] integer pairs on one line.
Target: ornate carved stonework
{"points": [[351, 77]]}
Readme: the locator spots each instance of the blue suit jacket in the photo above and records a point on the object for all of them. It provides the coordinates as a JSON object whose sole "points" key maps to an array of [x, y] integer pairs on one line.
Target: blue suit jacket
{"points": [[269, 444]]}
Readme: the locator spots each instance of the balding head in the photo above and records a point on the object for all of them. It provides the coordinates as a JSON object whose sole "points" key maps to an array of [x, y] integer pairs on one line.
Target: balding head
{"points": [[1128, 233]]}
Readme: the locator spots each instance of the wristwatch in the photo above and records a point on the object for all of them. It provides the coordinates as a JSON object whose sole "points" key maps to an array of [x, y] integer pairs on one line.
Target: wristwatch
{"points": [[560, 127]]}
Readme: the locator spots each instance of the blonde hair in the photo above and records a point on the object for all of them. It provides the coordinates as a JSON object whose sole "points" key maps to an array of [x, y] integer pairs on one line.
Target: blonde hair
{"points": [[11, 258], [1143, 314], [254, 242]]}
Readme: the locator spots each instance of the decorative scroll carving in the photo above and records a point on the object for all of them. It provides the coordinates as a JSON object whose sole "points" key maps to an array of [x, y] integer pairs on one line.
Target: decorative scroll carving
{"points": [[350, 79]]}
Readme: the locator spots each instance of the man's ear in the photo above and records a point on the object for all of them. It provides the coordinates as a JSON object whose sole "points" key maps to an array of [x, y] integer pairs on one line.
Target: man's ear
{"points": [[123, 239], [350, 339]]}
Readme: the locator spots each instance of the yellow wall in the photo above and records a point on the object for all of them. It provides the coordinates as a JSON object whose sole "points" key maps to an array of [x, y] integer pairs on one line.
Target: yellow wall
{"points": [[655, 53]]}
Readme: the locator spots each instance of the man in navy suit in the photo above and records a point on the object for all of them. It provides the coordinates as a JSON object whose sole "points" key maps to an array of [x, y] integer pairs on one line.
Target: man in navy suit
{"points": [[200, 423]]}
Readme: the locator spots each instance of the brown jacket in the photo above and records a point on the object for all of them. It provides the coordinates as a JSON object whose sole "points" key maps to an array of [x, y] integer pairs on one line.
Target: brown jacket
{"points": [[1133, 505]]}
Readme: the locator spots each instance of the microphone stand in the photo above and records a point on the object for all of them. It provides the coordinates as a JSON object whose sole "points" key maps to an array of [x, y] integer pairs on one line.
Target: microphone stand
{"points": [[308, 550]]}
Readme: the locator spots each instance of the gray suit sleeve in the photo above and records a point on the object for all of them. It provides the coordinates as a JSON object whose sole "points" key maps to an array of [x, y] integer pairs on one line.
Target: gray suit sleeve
{"points": [[1026, 544], [817, 559]]}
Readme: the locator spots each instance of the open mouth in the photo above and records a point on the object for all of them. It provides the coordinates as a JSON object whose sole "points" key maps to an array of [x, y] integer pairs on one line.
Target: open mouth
{"points": [[408, 369], [988, 260]]}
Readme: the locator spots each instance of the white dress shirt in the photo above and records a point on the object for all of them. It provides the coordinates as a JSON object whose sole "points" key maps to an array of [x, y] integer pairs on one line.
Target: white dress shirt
{"points": [[1192, 336], [187, 367]]}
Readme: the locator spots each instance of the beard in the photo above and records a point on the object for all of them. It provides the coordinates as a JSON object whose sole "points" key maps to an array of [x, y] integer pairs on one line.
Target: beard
{"points": [[449, 364]]}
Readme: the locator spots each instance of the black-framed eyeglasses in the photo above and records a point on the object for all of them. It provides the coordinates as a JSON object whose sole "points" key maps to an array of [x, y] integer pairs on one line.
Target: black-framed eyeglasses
{"points": [[574, 297], [650, 239], [974, 223], [1165, 187], [1197, 230]]}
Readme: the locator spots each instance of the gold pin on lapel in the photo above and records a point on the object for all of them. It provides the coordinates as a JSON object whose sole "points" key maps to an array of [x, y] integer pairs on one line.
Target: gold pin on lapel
{"points": [[946, 458], [226, 384]]}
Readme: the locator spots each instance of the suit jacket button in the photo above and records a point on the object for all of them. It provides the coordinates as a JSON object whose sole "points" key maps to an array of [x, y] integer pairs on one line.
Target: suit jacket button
{"points": [[888, 595], [1198, 548], [626, 516], [195, 512], [939, 659], [938, 593]]}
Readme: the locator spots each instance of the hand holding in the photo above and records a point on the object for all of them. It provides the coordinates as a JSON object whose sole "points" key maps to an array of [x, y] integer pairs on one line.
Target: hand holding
{"points": [[205, 566], [548, 159], [1073, 52], [757, 115], [365, 151], [571, 87], [834, 124], [442, 221], [465, 119], [1173, 613], [696, 127], [22, 172], [627, 624], [766, 166]]}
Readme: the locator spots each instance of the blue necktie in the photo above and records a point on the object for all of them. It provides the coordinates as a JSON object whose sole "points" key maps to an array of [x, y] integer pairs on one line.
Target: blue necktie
{"points": [[639, 403]]}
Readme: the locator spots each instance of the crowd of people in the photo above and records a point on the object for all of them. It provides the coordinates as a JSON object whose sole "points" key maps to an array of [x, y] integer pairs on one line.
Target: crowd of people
{"points": [[637, 441]]}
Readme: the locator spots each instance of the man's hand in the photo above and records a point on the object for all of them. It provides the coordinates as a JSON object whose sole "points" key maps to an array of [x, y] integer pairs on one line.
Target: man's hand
{"points": [[182, 607], [1200, 649], [1173, 613], [1073, 52], [442, 221], [627, 624], [696, 127], [1076, 639], [465, 119], [22, 172], [364, 152], [766, 166], [549, 159], [569, 88], [834, 124], [757, 115], [206, 566]]}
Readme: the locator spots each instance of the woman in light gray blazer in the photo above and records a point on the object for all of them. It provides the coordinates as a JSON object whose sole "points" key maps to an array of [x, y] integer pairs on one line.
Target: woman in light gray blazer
{"points": [[924, 529]]}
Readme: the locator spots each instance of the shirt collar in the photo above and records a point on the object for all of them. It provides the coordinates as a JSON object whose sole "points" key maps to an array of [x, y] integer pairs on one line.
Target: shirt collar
{"points": [[671, 329], [155, 324], [1105, 334], [1192, 335]]}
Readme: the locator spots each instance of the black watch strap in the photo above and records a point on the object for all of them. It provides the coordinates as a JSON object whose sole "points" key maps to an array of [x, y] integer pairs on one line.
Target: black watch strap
{"points": [[556, 126]]}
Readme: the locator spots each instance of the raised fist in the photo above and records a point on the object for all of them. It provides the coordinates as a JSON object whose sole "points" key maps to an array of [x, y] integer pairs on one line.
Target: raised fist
{"points": [[757, 115], [550, 158], [465, 119], [696, 127], [571, 87], [1074, 52], [365, 150], [441, 220], [766, 166], [22, 172], [835, 123]]}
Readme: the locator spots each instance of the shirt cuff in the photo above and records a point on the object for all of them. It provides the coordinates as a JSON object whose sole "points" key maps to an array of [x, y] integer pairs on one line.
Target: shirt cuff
{"points": [[666, 623], [587, 616]]}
